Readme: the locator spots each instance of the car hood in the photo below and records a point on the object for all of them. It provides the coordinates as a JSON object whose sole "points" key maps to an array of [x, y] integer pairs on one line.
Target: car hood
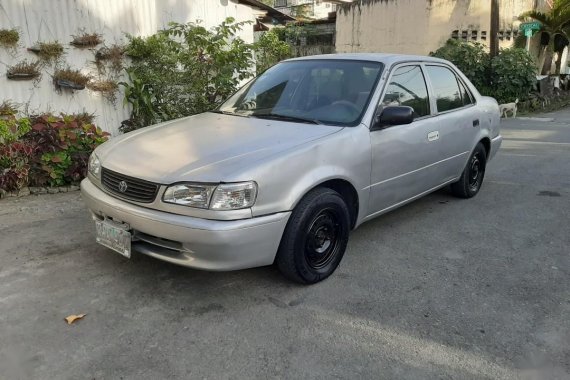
{"points": [[208, 147]]}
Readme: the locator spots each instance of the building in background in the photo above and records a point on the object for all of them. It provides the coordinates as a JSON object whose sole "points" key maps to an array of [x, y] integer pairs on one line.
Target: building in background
{"points": [[310, 9], [422, 26]]}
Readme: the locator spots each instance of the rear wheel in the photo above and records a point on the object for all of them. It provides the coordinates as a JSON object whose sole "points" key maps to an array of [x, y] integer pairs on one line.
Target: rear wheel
{"points": [[471, 179], [315, 238]]}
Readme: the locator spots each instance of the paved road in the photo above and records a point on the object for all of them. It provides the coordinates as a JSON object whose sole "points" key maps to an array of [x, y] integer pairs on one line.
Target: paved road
{"points": [[442, 288]]}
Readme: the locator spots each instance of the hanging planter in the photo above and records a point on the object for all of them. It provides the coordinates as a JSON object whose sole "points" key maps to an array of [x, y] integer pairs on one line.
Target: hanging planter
{"points": [[70, 79], [86, 40], [24, 71], [113, 56], [107, 88], [47, 51], [9, 38]]}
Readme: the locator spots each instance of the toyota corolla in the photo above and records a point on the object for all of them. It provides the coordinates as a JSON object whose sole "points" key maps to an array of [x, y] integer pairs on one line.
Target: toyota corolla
{"points": [[284, 169]]}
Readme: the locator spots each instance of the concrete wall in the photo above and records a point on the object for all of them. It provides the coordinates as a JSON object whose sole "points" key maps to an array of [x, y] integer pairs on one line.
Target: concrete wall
{"points": [[43, 20], [420, 26]]}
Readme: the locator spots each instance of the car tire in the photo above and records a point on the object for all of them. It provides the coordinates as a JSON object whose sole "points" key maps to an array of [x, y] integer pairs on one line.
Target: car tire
{"points": [[471, 179], [315, 238]]}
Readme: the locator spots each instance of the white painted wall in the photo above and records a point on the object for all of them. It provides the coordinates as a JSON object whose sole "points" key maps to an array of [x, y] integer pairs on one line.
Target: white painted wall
{"points": [[48, 20]]}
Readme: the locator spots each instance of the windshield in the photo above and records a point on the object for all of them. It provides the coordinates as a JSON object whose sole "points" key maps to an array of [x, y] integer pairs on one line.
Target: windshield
{"points": [[315, 91]]}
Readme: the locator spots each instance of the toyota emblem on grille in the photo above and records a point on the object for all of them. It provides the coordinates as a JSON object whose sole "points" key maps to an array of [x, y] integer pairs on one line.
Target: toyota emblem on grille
{"points": [[123, 186]]}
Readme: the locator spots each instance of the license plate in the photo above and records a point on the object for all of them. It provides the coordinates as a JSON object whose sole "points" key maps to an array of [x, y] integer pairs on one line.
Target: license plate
{"points": [[111, 236]]}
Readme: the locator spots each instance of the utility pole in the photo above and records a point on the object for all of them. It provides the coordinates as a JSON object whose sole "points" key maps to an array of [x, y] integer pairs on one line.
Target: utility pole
{"points": [[494, 29]]}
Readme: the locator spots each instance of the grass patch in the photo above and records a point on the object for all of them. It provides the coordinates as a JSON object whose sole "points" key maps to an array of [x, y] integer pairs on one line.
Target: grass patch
{"points": [[48, 51], [9, 38], [86, 40]]}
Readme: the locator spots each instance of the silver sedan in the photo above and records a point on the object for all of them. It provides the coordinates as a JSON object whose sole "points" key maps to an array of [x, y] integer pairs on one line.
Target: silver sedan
{"points": [[284, 169]]}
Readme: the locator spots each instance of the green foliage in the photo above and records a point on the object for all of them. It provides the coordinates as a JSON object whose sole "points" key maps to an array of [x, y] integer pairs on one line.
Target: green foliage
{"points": [[12, 128], [48, 150], [470, 58], [513, 75], [269, 50], [506, 77], [65, 143], [184, 70]]}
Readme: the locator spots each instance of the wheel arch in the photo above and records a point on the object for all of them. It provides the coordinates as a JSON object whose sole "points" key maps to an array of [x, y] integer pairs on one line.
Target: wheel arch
{"points": [[346, 190]]}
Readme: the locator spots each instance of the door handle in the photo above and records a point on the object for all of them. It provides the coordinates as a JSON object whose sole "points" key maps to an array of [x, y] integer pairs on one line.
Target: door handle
{"points": [[476, 122]]}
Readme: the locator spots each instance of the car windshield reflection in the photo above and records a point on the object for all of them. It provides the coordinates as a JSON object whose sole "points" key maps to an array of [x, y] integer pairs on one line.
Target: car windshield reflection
{"points": [[334, 92]]}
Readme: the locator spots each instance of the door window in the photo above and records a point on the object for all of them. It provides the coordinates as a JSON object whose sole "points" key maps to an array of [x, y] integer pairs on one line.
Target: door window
{"points": [[465, 94], [408, 88], [445, 87]]}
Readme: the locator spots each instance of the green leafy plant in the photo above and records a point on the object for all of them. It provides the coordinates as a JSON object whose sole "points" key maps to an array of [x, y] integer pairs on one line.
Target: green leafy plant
{"points": [[513, 75], [269, 50], [46, 149], [506, 77], [13, 128], [9, 38], [64, 144], [14, 167], [555, 22], [183, 70], [471, 58]]}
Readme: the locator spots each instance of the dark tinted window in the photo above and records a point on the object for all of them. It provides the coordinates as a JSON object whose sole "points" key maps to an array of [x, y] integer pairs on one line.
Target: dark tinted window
{"points": [[408, 88], [465, 94], [445, 87]]}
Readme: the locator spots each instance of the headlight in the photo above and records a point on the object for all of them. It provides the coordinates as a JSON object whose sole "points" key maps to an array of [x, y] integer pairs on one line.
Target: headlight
{"points": [[189, 195], [233, 196], [229, 196], [94, 166]]}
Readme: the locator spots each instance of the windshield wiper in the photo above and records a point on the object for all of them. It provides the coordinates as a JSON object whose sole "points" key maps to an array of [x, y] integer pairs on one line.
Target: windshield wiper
{"points": [[228, 113], [275, 116]]}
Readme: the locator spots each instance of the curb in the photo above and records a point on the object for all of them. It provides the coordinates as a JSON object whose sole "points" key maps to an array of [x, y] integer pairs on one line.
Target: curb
{"points": [[25, 191]]}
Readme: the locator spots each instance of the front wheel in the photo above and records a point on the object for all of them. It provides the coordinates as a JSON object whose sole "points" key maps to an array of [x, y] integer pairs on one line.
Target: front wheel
{"points": [[471, 179], [315, 238]]}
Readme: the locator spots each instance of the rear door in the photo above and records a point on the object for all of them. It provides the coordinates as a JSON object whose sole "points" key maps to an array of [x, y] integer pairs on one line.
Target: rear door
{"points": [[457, 118]]}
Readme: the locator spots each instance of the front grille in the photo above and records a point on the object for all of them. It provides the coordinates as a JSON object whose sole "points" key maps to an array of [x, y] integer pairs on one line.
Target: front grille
{"points": [[137, 190]]}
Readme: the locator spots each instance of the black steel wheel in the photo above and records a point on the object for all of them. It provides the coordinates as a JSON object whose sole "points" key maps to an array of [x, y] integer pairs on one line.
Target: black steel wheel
{"points": [[471, 179], [315, 238]]}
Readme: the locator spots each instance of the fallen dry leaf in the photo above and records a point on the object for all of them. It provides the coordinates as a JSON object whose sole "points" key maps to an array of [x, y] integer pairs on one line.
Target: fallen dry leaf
{"points": [[72, 318]]}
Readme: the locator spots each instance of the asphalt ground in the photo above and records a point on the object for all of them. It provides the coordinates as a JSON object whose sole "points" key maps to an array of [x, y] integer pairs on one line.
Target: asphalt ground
{"points": [[442, 288]]}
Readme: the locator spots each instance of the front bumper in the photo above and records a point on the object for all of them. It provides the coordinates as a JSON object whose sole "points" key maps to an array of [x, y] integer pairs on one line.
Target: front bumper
{"points": [[189, 241]]}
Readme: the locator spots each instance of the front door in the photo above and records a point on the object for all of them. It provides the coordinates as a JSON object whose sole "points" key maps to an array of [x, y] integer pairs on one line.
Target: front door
{"points": [[404, 157]]}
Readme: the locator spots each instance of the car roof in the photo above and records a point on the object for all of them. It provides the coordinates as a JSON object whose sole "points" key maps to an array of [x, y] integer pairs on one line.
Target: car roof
{"points": [[385, 58]]}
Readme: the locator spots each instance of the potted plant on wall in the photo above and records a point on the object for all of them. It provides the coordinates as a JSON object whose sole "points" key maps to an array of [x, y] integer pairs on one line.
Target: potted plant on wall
{"points": [[24, 70], [47, 51], [112, 56], [9, 38], [106, 87], [70, 79], [86, 40]]}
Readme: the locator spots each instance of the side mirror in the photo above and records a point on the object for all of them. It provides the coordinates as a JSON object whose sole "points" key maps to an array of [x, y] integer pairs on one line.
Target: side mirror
{"points": [[394, 115]]}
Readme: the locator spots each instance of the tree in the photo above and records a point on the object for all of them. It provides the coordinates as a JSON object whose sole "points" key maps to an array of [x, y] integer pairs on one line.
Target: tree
{"points": [[556, 23]]}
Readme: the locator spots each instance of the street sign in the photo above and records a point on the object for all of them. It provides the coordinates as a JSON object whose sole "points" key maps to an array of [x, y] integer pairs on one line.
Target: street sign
{"points": [[535, 25]]}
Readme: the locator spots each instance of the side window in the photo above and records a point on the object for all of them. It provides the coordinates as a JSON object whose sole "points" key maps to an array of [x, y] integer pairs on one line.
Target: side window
{"points": [[445, 87], [465, 94], [408, 88]]}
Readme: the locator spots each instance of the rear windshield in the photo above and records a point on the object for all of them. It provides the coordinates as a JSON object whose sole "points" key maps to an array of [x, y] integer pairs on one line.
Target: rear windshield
{"points": [[333, 92]]}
